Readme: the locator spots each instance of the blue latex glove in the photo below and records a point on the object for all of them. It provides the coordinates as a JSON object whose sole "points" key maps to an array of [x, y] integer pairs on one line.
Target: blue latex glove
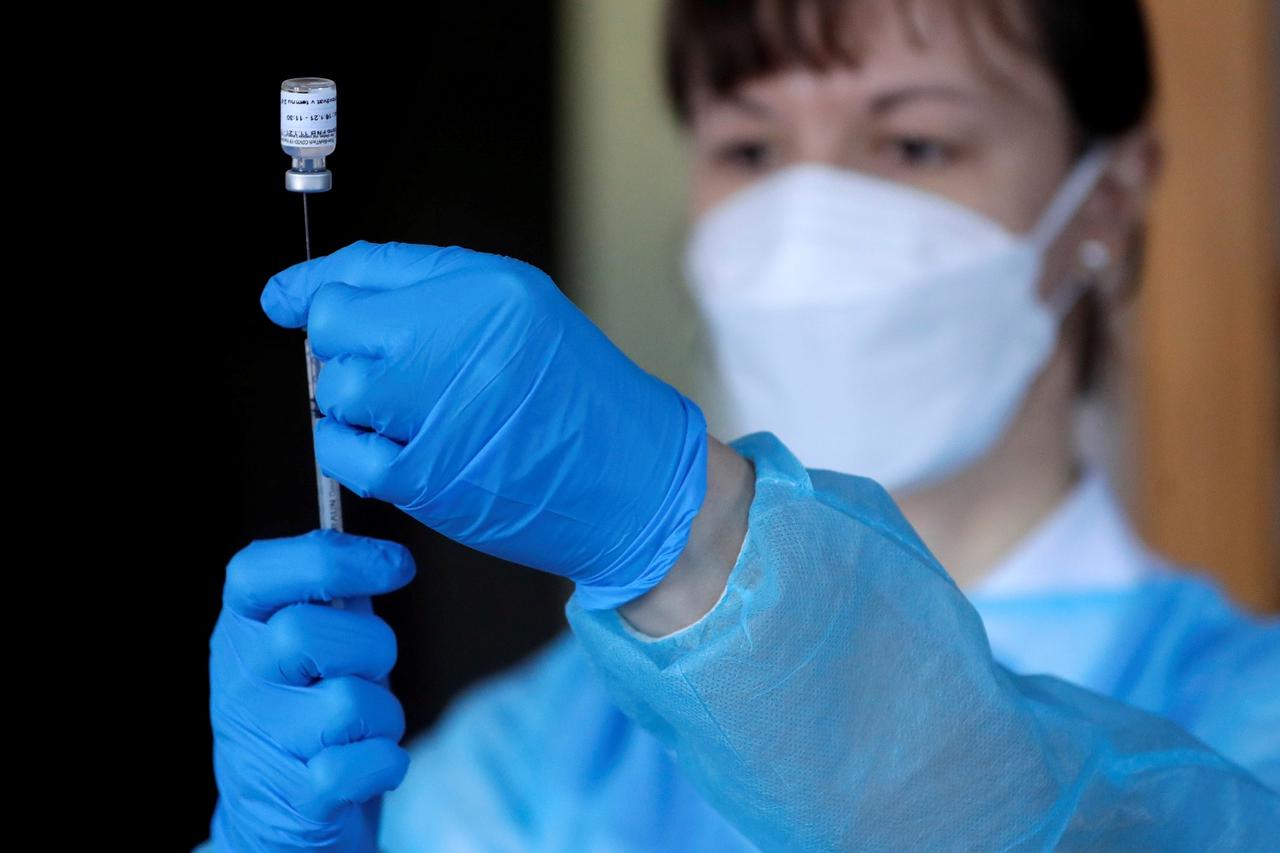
{"points": [[467, 390], [305, 731]]}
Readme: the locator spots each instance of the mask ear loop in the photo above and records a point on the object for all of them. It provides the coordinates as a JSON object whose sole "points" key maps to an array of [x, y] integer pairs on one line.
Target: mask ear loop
{"points": [[1079, 185]]}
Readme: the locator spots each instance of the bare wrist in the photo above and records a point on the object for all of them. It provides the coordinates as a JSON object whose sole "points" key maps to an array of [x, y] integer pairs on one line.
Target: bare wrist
{"points": [[697, 580]]}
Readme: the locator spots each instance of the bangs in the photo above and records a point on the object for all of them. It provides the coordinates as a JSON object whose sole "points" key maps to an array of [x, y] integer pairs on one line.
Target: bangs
{"points": [[721, 44]]}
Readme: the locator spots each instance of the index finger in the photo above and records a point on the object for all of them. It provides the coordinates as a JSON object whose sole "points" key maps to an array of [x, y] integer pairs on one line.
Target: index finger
{"points": [[321, 565], [378, 266]]}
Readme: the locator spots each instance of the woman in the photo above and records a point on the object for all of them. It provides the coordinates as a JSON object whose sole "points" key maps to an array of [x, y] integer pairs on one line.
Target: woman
{"points": [[912, 222]]}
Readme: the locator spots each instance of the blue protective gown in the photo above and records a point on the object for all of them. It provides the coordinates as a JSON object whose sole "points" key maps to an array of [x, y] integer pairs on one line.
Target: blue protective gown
{"points": [[842, 695]]}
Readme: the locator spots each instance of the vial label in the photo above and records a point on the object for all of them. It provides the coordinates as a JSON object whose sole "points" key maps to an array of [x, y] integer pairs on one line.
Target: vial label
{"points": [[309, 120]]}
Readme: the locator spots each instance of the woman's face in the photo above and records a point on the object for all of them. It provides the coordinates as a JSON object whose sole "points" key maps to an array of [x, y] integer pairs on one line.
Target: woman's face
{"points": [[957, 111]]}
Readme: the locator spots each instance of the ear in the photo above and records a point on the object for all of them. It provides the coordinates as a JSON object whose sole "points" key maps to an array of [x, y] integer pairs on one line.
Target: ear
{"points": [[1117, 212], [1120, 204]]}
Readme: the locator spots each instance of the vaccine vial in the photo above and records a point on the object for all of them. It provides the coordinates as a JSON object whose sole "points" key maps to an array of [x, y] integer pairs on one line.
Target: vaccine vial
{"points": [[308, 131]]}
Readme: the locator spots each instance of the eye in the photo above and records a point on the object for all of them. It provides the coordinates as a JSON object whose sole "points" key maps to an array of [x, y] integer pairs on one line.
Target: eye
{"points": [[747, 155], [918, 152]]}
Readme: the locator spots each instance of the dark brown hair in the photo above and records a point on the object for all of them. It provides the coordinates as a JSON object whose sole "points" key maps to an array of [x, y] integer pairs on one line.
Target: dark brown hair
{"points": [[1097, 50]]}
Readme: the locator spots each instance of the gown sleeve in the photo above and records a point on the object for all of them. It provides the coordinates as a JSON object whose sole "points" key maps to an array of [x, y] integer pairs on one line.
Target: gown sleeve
{"points": [[842, 695]]}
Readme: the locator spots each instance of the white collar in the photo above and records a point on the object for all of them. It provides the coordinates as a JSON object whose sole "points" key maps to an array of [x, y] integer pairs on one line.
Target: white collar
{"points": [[1084, 545]]}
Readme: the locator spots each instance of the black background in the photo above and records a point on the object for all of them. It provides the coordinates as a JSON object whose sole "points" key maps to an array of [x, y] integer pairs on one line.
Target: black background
{"points": [[445, 139]]}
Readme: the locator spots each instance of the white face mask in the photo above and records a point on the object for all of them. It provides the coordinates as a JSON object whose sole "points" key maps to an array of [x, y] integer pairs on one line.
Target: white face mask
{"points": [[877, 329]]}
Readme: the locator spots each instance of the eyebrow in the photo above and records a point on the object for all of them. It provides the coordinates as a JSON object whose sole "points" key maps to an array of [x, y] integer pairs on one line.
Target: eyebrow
{"points": [[890, 101], [746, 103], [881, 104]]}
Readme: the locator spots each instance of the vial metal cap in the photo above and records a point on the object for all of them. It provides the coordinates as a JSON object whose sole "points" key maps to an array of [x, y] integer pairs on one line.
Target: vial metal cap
{"points": [[296, 181]]}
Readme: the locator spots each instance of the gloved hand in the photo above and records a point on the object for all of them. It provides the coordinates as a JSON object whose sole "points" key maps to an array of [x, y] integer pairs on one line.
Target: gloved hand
{"points": [[467, 390], [305, 730]]}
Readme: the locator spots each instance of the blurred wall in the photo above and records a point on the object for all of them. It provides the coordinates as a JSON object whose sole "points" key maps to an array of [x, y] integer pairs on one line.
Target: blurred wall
{"points": [[623, 184], [1210, 317], [1197, 411]]}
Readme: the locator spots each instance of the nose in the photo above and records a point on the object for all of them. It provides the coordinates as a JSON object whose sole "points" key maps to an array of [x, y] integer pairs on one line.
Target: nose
{"points": [[820, 139]]}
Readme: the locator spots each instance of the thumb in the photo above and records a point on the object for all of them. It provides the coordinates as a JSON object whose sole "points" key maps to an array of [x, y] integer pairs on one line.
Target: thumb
{"points": [[288, 295]]}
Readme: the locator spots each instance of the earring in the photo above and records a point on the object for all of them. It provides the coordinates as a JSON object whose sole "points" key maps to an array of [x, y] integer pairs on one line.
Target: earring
{"points": [[1094, 256]]}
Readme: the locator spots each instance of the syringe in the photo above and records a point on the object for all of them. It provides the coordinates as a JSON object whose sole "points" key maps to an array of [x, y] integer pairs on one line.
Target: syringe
{"points": [[308, 134]]}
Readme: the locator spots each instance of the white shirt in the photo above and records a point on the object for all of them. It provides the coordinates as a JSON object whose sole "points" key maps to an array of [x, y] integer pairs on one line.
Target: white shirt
{"points": [[1085, 545], [1063, 602]]}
